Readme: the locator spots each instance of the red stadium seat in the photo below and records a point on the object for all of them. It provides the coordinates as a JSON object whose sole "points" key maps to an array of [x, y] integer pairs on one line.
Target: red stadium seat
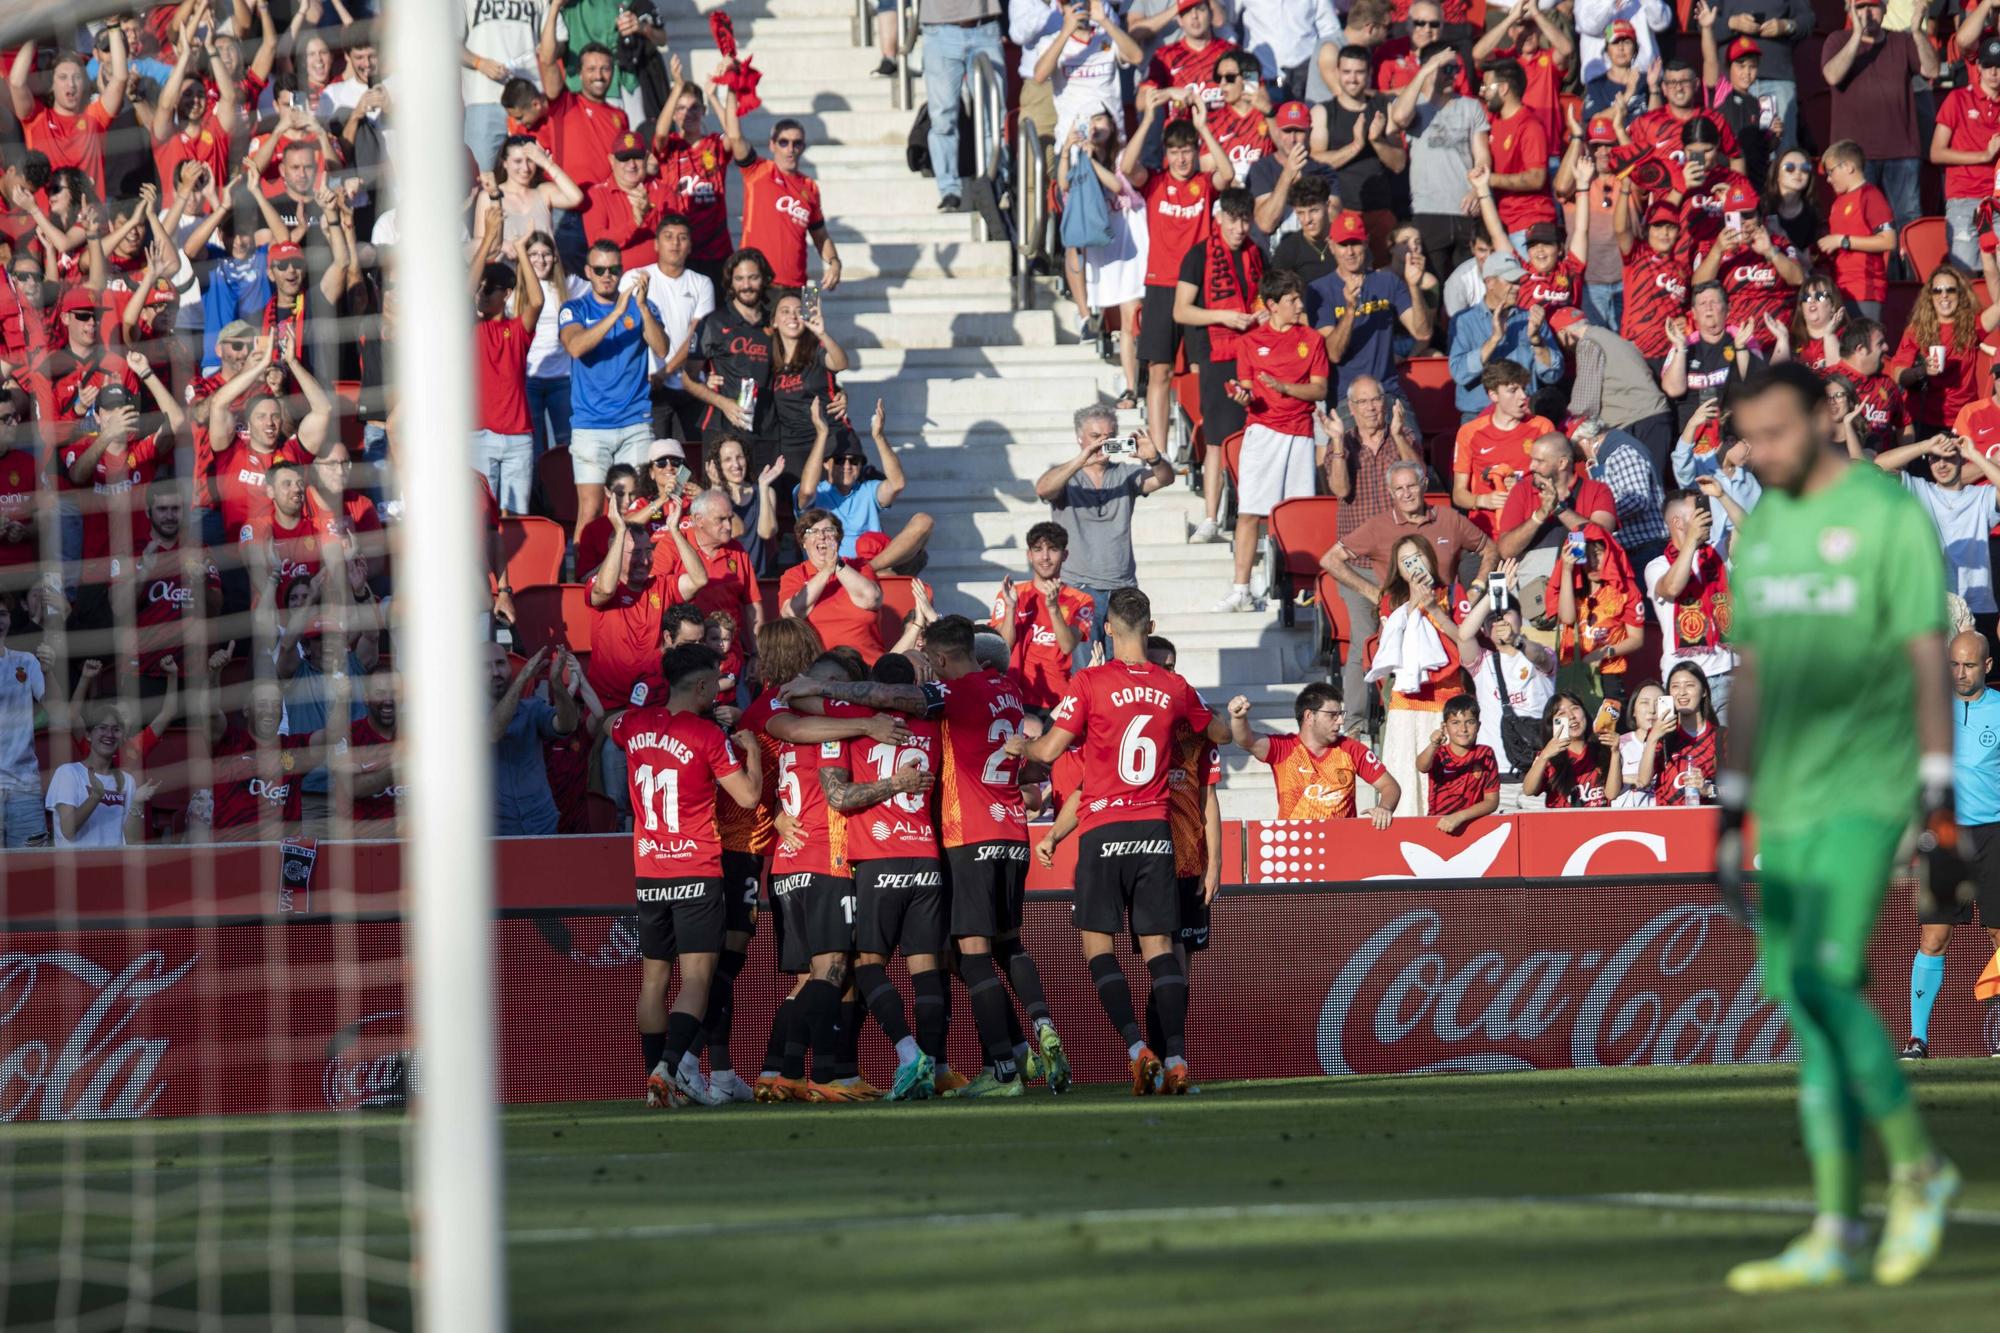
{"points": [[1303, 529], [533, 550], [557, 613], [898, 600], [1925, 244], [1896, 308], [1232, 449], [558, 484], [1427, 383], [1333, 614]]}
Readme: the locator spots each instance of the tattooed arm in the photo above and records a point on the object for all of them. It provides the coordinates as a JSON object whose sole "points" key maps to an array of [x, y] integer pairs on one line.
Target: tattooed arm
{"points": [[846, 795], [913, 699]]}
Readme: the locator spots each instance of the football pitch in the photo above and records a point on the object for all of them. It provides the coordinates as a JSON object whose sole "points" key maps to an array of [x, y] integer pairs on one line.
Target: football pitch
{"points": [[1601, 1199]]}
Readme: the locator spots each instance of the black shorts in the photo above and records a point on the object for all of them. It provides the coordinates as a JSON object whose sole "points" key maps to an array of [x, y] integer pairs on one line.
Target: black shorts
{"points": [[679, 916], [742, 876], [1127, 866], [988, 882], [821, 910], [902, 906], [788, 924], [1981, 843], [1193, 934], [1221, 415], [1159, 336]]}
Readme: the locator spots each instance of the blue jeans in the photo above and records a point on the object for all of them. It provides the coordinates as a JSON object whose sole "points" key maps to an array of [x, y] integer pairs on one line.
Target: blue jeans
{"points": [[508, 463], [1604, 302], [1100, 600], [548, 412], [1784, 95], [1896, 177], [948, 56], [1963, 217], [485, 131], [572, 243], [22, 818]]}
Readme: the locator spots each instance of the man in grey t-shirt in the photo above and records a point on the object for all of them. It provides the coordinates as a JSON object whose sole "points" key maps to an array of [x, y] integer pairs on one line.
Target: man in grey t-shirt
{"points": [[1092, 497], [1442, 125]]}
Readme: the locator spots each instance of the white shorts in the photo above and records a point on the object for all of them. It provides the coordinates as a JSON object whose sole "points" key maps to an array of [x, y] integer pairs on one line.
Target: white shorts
{"points": [[592, 452], [1271, 469]]}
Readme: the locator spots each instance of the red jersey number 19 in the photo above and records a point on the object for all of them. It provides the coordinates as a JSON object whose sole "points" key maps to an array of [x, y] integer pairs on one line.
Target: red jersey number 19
{"points": [[660, 789]]}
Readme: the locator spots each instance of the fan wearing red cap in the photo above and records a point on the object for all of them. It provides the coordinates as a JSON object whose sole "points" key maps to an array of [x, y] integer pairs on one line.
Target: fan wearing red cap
{"points": [[1359, 312], [1757, 265], [626, 209], [1621, 74], [1180, 203], [1964, 140], [1188, 63], [1656, 270], [1554, 273]]}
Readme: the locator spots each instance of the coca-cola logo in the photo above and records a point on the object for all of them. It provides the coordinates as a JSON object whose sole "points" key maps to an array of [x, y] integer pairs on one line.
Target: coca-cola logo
{"points": [[368, 1064], [95, 1073], [1401, 1005]]}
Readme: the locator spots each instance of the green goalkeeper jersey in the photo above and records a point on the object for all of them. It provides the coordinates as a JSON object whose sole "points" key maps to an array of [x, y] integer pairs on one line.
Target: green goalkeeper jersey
{"points": [[1828, 591]]}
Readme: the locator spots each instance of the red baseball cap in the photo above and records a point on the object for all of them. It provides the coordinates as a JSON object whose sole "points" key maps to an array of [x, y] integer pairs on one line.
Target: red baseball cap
{"points": [[1185, 5], [869, 545], [1602, 130], [1663, 212], [628, 145], [1744, 49], [286, 250], [76, 298], [1739, 200], [1565, 317], [1347, 228], [1294, 116], [1621, 31]]}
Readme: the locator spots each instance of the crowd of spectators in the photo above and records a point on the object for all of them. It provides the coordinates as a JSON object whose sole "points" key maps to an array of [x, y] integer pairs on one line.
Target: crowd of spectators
{"points": [[1485, 282]]}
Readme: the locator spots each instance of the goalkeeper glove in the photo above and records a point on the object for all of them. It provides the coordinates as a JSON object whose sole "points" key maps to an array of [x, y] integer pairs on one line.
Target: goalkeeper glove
{"points": [[1732, 791], [1943, 880]]}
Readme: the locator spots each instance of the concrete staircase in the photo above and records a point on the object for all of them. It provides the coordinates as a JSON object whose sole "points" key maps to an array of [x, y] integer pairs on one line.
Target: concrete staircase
{"points": [[979, 395]]}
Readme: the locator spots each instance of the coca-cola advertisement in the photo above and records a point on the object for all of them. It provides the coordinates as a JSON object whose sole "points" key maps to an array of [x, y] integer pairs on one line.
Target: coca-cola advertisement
{"points": [[1527, 943]]}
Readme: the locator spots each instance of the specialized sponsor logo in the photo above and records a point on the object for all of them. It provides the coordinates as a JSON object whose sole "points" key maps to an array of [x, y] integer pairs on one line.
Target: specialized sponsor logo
{"points": [[369, 1064], [692, 891], [1634, 1004], [1137, 847], [1002, 851], [790, 884], [915, 879], [91, 1074]]}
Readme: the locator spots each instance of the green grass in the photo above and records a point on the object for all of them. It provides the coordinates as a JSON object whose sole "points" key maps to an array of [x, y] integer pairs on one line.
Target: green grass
{"points": [[1381, 1203]]}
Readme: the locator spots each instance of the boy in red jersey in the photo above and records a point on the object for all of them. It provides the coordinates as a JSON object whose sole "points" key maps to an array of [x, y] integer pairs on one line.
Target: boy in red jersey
{"points": [[696, 162], [1179, 204], [1043, 620], [1465, 777], [985, 836], [676, 760], [1282, 369], [1124, 713], [1860, 230]]}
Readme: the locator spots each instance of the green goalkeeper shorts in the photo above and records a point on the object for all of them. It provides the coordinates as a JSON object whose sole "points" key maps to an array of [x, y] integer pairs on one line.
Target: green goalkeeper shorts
{"points": [[1819, 895]]}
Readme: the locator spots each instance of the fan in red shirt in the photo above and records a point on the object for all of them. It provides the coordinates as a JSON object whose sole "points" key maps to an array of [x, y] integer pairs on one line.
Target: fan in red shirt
{"points": [[1124, 714], [1282, 369], [240, 467], [1520, 146], [1713, 193], [676, 761], [112, 467], [629, 604], [363, 761], [1937, 362], [1400, 60], [1238, 125], [1885, 416], [626, 209], [1860, 229], [69, 128], [1757, 265], [1660, 130], [1574, 769], [257, 775], [1978, 421], [578, 128], [781, 211], [20, 541], [186, 129], [1529, 39], [286, 541], [65, 380], [1492, 449], [1043, 619], [1465, 777], [1656, 275], [730, 584], [1190, 63], [168, 581], [696, 164], [841, 598]]}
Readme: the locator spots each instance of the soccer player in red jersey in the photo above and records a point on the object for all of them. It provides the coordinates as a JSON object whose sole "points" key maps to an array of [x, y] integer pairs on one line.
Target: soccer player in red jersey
{"points": [[1656, 272], [892, 850], [781, 211], [1124, 713], [676, 761], [1043, 620], [985, 837], [1179, 204], [1465, 777]]}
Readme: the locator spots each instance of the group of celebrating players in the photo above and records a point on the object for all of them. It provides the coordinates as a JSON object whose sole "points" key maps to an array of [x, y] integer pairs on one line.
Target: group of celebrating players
{"points": [[892, 804]]}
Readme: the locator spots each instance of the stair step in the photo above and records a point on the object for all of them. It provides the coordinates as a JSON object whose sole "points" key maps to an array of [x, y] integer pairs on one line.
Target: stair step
{"points": [[882, 328]]}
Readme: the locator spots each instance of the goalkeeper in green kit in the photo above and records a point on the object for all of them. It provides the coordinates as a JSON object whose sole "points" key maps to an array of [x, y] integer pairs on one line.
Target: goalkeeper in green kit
{"points": [[1840, 735]]}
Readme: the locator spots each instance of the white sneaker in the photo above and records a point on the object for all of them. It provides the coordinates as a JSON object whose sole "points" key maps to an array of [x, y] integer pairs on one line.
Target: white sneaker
{"points": [[1240, 599], [696, 1089], [1206, 532], [728, 1086]]}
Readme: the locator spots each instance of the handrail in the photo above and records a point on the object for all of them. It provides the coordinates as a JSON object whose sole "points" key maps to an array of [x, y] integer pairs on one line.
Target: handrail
{"points": [[987, 91], [1030, 207], [864, 22], [901, 94]]}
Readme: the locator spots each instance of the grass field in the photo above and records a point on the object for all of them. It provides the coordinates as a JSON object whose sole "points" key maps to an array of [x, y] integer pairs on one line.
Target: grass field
{"points": [[1607, 1199]]}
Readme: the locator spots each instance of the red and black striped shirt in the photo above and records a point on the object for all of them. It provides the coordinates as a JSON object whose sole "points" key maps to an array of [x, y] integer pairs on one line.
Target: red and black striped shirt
{"points": [[1573, 781], [1459, 782]]}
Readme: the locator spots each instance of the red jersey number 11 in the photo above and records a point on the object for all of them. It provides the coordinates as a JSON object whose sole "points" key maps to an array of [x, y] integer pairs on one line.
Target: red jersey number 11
{"points": [[660, 793]]}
